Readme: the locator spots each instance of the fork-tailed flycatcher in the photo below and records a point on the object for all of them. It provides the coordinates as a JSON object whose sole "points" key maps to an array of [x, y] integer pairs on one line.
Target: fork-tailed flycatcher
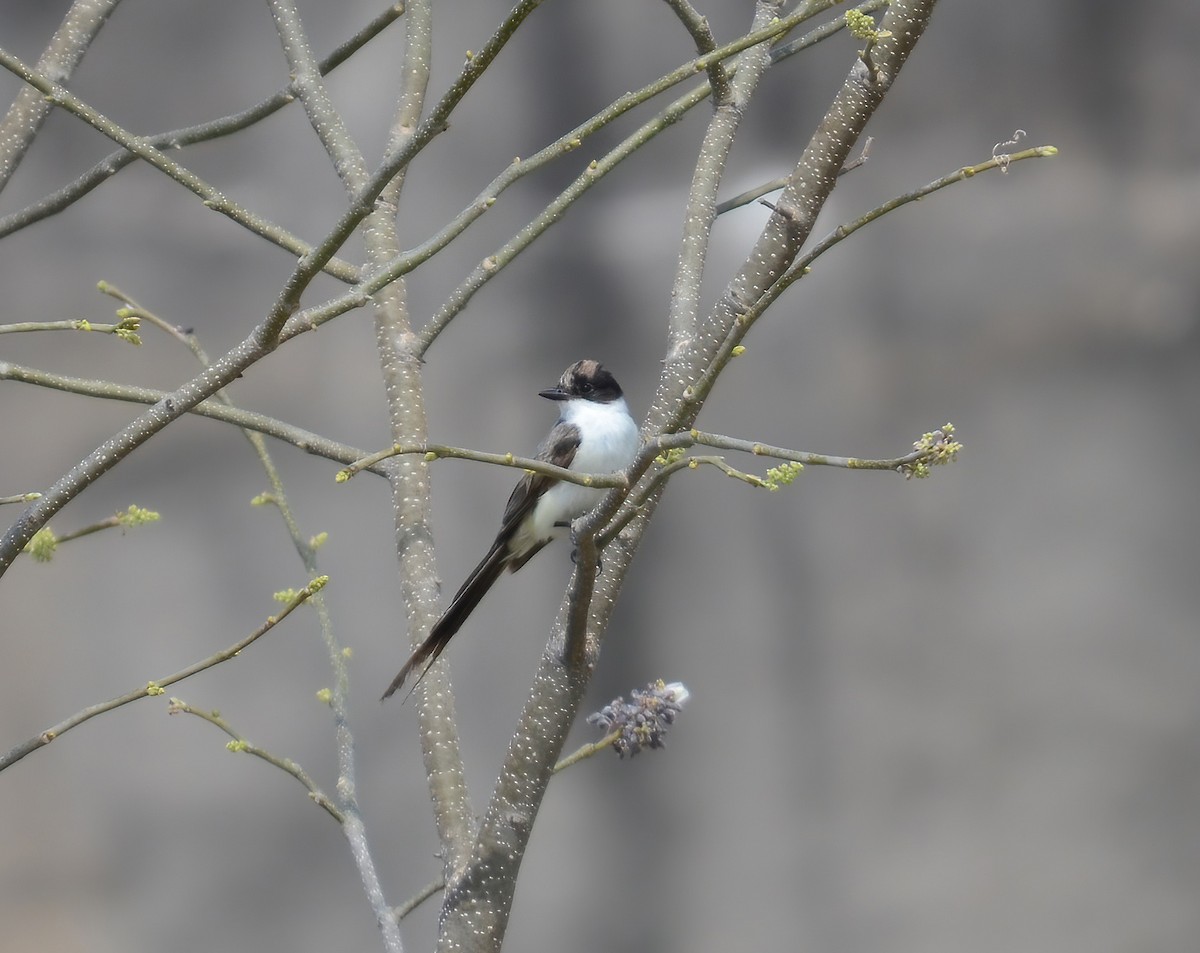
{"points": [[594, 434]]}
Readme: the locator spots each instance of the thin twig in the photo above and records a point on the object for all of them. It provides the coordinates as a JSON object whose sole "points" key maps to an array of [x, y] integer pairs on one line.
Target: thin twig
{"points": [[683, 318], [750, 195], [666, 442], [57, 201], [477, 903], [22, 327], [596, 170], [860, 160], [434, 451], [157, 686], [351, 168], [493, 264], [212, 408], [405, 147], [803, 264], [347, 811], [697, 26], [759, 449], [844, 231], [212, 197], [66, 49], [239, 743], [779, 52], [418, 898], [823, 32], [587, 751], [43, 545], [324, 118], [402, 378]]}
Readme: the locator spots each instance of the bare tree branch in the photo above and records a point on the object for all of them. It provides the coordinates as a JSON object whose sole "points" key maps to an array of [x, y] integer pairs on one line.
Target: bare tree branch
{"points": [[242, 745], [310, 88], [305, 440], [400, 369], [476, 905], [596, 170], [701, 211], [697, 26], [156, 686], [29, 110], [109, 166], [212, 197]]}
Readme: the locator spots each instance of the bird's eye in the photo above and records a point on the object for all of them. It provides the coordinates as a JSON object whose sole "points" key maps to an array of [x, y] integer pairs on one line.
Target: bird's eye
{"points": [[586, 387]]}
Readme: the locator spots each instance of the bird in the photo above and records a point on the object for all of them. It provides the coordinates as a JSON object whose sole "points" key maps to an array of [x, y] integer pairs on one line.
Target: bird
{"points": [[594, 433]]}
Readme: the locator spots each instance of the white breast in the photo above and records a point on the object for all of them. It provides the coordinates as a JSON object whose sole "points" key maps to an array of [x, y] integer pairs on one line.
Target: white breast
{"points": [[610, 442]]}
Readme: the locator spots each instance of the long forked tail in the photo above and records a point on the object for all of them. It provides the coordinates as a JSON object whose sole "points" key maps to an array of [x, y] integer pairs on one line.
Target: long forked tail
{"points": [[464, 602]]}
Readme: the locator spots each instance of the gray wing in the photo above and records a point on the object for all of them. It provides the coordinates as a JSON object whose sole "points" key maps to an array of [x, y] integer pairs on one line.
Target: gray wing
{"points": [[558, 448]]}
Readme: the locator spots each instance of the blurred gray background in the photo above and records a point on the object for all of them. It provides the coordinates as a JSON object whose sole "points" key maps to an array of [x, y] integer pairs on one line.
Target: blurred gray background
{"points": [[926, 717]]}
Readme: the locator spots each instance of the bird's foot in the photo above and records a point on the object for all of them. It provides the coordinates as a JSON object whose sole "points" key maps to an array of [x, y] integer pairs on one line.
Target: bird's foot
{"points": [[575, 561]]}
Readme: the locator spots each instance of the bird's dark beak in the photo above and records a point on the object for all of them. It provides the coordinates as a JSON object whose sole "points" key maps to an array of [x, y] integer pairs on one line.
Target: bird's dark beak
{"points": [[554, 393]]}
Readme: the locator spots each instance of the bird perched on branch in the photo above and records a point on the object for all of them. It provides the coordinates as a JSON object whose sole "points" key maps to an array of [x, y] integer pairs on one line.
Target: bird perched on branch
{"points": [[594, 434]]}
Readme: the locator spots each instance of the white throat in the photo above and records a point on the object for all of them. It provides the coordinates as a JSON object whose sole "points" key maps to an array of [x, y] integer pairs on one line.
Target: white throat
{"points": [[608, 441]]}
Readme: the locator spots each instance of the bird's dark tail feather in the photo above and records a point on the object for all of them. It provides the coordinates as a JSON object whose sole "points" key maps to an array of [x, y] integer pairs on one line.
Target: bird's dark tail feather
{"points": [[464, 602]]}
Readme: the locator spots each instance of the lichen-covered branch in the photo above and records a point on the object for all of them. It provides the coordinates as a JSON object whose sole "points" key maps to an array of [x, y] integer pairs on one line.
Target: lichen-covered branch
{"points": [[476, 904], [67, 48]]}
